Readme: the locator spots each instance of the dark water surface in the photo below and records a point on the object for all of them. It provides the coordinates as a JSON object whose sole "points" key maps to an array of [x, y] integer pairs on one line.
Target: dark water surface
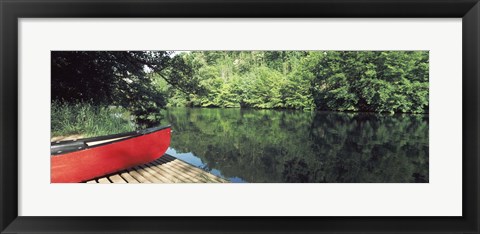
{"points": [[280, 146]]}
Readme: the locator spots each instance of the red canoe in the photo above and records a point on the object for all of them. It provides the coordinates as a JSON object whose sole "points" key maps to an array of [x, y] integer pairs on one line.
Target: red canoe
{"points": [[84, 159]]}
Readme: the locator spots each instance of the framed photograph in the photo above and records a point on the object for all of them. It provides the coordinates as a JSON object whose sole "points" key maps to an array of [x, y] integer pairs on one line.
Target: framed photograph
{"points": [[227, 116]]}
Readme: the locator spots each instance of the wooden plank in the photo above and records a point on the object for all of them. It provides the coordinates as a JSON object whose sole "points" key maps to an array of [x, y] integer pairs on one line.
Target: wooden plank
{"points": [[104, 181], [210, 175], [117, 179], [202, 175], [189, 174], [127, 177], [180, 173], [147, 175], [168, 157], [169, 178], [91, 182], [138, 177], [194, 168], [185, 172], [175, 172], [171, 175], [166, 169], [198, 174], [158, 174]]}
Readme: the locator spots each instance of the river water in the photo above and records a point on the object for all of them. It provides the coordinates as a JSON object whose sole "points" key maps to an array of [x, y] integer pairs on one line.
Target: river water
{"points": [[285, 146]]}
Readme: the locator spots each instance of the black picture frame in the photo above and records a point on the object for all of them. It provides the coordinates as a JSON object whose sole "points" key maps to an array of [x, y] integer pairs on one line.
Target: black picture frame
{"points": [[12, 10]]}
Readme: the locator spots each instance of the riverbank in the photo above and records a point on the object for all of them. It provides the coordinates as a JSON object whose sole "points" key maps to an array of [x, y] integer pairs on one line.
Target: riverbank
{"points": [[66, 138], [71, 121], [86, 120]]}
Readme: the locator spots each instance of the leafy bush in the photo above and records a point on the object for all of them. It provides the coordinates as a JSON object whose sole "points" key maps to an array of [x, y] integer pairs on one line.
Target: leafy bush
{"points": [[364, 81], [88, 120]]}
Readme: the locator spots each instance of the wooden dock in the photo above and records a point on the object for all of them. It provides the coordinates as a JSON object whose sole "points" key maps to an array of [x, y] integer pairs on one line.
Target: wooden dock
{"points": [[166, 169]]}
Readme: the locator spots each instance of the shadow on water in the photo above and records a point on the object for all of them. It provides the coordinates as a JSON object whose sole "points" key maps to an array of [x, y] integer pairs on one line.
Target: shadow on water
{"points": [[270, 146]]}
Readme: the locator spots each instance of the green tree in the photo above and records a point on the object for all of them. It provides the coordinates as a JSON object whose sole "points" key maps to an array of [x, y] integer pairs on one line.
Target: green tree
{"points": [[121, 78], [365, 81]]}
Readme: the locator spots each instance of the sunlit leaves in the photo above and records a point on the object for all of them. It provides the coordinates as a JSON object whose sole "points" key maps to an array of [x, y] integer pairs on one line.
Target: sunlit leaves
{"points": [[372, 81], [386, 81]]}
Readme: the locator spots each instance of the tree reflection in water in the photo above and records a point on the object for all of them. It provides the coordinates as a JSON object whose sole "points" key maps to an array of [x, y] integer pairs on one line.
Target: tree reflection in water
{"points": [[283, 146]]}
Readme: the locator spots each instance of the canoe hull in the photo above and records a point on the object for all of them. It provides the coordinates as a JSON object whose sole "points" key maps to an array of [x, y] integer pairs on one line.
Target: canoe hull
{"points": [[105, 159]]}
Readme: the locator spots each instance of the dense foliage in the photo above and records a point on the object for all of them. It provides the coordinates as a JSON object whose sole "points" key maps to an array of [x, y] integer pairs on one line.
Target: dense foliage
{"points": [[371, 81], [144, 82], [119, 78]]}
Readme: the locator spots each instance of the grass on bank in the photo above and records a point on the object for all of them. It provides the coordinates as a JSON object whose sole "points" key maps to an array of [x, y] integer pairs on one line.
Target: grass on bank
{"points": [[88, 120]]}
